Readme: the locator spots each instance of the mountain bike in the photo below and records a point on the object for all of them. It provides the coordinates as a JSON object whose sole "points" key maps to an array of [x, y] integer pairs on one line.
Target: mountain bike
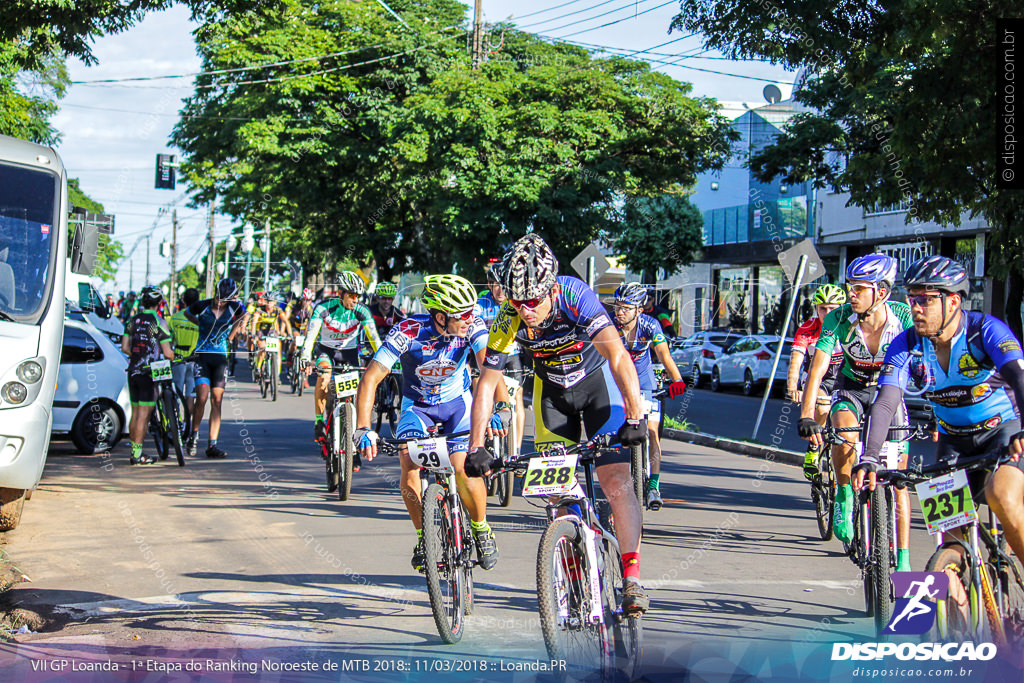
{"points": [[340, 422], [448, 543], [579, 566], [170, 421], [640, 455], [388, 399], [873, 546], [296, 378], [985, 600], [823, 491], [271, 365]]}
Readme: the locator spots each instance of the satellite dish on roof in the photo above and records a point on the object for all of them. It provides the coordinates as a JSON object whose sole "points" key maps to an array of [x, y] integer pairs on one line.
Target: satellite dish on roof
{"points": [[772, 93]]}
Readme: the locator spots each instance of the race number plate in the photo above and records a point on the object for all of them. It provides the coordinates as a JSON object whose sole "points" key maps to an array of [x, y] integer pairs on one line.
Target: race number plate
{"points": [[946, 502], [888, 455], [273, 345], [300, 340], [160, 370], [550, 475], [652, 409], [347, 384], [431, 454], [511, 383]]}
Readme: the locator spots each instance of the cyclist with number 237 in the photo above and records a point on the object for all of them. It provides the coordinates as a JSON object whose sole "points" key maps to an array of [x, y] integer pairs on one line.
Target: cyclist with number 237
{"points": [[581, 370], [433, 350]]}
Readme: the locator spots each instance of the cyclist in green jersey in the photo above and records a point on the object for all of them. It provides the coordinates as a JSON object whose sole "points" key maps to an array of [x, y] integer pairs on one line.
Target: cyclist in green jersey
{"points": [[865, 326], [333, 334], [185, 337]]}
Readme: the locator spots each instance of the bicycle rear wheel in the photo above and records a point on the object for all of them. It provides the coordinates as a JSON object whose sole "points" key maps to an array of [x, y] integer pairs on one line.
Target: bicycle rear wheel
{"points": [[627, 631], [823, 493], [446, 578], [574, 628], [1012, 602], [275, 372], [881, 552], [955, 615], [346, 454], [170, 406]]}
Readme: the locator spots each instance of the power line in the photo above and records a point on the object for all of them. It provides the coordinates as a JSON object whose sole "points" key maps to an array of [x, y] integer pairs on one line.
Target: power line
{"points": [[598, 16], [569, 14], [610, 23], [549, 9]]}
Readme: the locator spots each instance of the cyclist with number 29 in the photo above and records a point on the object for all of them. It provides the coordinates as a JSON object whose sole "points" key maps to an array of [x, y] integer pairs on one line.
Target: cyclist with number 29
{"points": [[146, 339], [581, 370], [972, 368], [641, 334], [865, 326], [433, 350]]}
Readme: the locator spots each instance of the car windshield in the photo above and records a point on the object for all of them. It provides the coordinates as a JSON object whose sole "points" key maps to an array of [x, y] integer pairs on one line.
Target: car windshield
{"points": [[28, 203], [721, 339]]}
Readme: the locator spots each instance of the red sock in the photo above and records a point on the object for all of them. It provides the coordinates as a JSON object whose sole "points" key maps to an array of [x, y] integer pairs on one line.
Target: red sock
{"points": [[631, 565]]}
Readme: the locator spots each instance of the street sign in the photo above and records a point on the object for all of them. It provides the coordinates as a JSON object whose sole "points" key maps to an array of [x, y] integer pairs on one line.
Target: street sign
{"points": [[601, 264], [790, 261]]}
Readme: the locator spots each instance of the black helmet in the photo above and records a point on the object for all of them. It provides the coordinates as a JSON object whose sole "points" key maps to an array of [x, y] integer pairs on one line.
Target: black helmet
{"points": [[529, 269], [227, 289], [938, 272], [190, 296], [150, 297]]}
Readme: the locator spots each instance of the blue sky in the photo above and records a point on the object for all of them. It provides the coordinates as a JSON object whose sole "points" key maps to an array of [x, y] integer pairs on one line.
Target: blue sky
{"points": [[111, 134]]}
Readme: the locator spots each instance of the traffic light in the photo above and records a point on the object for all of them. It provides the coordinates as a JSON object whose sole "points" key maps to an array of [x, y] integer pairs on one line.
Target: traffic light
{"points": [[165, 164], [165, 249]]}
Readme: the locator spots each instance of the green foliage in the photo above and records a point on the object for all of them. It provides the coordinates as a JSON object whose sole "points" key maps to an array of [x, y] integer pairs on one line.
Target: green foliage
{"points": [[413, 162], [28, 98], [660, 232]]}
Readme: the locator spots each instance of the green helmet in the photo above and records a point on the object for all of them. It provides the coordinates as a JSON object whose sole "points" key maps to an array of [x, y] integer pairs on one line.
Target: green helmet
{"points": [[386, 289], [448, 293], [829, 294]]}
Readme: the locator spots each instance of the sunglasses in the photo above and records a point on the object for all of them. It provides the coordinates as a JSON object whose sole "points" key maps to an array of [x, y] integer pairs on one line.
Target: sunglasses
{"points": [[464, 316], [922, 300], [858, 289], [529, 303]]}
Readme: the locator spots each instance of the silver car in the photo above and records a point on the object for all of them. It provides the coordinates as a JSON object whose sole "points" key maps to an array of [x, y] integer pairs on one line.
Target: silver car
{"points": [[695, 354]]}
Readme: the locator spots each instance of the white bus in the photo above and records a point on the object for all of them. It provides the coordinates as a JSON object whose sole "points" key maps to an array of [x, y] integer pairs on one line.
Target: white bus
{"points": [[33, 246]]}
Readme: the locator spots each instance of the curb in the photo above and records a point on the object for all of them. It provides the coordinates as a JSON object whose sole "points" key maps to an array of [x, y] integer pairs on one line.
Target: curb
{"points": [[752, 450]]}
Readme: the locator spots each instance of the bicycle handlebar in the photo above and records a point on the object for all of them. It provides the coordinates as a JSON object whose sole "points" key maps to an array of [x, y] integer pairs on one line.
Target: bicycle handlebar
{"points": [[900, 478], [587, 451]]}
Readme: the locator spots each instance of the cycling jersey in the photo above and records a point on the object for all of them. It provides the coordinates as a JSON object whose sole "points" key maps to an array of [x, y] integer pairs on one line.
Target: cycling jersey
{"points": [[434, 365], [185, 334], [334, 326], [214, 330], [298, 315], [562, 352], [648, 333], [265, 320], [972, 396], [383, 322], [146, 331], [806, 339], [486, 308], [841, 326]]}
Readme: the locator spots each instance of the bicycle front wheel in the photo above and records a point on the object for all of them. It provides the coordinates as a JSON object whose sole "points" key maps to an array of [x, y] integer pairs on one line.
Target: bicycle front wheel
{"points": [[955, 615], [574, 625], [170, 406], [275, 372], [627, 631], [446, 578], [823, 493], [158, 426], [636, 466], [881, 552], [346, 453]]}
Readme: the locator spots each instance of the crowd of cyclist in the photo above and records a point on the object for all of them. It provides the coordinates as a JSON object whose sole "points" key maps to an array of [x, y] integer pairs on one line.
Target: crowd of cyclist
{"points": [[593, 373]]}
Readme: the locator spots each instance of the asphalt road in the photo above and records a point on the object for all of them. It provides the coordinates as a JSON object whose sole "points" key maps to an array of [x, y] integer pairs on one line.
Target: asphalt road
{"points": [[226, 564]]}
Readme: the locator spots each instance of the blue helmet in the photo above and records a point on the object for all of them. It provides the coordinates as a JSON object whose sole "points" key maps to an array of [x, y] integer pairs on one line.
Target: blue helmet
{"points": [[877, 268], [632, 293]]}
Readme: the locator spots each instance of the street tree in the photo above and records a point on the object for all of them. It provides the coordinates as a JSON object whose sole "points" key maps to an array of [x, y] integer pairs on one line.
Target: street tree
{"points": [[663, 232], [902, 99]]}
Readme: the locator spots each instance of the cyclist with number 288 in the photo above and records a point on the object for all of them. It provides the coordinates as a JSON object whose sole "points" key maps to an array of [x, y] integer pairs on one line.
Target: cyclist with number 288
{"points": [[865, 326], [971, 366], [433, 350], [581, 369], [641, 334]]}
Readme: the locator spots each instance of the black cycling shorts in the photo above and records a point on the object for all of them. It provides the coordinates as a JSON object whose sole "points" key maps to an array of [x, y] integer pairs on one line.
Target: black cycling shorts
{"points": [[211, 369], [851, 395], [336, 356], [557, 411], [961, 449], [141, 390]]}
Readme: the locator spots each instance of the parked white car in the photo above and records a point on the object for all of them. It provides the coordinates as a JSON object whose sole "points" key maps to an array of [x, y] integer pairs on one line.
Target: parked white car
{"points": [[695, 354], [91, 403], [748, 362]]}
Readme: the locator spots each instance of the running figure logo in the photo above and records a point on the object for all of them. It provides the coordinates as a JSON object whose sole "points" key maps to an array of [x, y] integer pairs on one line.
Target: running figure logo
{"points": [[917, 593]]}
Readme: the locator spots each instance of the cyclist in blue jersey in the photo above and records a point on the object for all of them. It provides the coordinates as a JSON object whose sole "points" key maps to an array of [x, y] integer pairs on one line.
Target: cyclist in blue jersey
{"points": [[641, 334], [433, 350], [972, 369], [219, 319], [486, 308], [583, 377]]}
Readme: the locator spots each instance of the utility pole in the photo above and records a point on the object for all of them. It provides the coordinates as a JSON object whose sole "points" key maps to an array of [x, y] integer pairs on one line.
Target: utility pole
{"points": [[172, 296], [210, 260], [478, 33], [147, 258]]}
